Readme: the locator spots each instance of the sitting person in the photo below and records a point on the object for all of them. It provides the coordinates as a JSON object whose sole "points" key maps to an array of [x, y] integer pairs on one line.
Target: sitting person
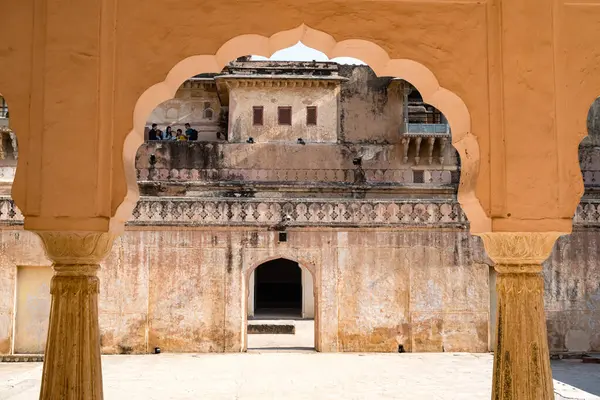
{"points": [[191, 134], [180, 136]]}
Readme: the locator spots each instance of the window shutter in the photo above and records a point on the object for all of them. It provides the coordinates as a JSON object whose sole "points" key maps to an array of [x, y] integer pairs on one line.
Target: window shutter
{"points": [[311, 115], [257, 115], [284, 115]]}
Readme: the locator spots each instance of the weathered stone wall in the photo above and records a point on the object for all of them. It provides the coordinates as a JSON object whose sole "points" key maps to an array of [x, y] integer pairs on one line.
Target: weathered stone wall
{"points": [[593, 124], [184, 290], [572, 292], [371, 108], [324, 97], [274, 156]]}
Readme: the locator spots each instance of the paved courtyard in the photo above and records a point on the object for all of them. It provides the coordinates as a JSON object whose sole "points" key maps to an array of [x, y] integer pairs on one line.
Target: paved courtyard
{"points": [[272, 375]]}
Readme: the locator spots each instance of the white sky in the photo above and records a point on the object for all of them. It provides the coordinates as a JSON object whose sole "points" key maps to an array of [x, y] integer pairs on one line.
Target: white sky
{"points": [[300, 52]]}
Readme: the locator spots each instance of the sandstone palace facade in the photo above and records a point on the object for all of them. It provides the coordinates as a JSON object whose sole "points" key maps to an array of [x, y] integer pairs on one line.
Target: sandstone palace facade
{"points": [[315, 189]]}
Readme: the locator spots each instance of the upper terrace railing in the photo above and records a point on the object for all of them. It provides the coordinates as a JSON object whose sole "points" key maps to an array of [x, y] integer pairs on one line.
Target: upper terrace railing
{"points": [[348, 176], [427, 129]]}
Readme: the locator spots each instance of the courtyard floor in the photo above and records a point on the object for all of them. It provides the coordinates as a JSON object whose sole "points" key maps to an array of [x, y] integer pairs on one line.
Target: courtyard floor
{"points": [[285, 367], [293, 375]]}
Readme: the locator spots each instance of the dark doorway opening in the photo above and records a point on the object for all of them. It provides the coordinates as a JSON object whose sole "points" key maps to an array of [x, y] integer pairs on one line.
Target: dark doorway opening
{"points": [[278, 288]]}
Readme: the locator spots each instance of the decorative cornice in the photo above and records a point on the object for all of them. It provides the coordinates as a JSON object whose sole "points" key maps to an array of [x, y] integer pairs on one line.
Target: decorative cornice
{"points": [[279, 82], [199, 84]]}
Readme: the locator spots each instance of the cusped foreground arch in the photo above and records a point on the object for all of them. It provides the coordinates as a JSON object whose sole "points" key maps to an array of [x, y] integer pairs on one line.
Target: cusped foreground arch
{"points": [[376, 57]]}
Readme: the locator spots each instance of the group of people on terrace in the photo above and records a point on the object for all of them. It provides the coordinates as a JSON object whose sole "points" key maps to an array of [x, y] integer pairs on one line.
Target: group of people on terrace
{"points": [[168, 134]]}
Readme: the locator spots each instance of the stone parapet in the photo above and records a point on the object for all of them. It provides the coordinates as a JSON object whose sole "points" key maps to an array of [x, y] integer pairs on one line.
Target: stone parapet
{"points": [[297, 212], [185, 211], [588, 213], [302, 176], [194, 211]]}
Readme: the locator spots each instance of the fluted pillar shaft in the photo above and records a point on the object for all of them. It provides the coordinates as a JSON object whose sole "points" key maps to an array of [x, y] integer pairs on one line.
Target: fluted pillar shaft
{"points": [[521, 358], [72, 366]]}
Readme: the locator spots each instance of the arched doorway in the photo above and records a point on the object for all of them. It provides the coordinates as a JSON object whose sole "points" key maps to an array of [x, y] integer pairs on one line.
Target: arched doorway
{"points": [[281, 307], [278, 289]]}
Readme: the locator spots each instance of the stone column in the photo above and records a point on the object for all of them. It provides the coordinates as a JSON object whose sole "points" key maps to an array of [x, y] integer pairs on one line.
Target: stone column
{"points": [[72, 368], [521, 358]]}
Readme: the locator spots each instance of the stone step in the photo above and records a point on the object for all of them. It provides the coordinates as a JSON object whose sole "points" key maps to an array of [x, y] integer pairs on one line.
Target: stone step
{"points": [[271, 328]]}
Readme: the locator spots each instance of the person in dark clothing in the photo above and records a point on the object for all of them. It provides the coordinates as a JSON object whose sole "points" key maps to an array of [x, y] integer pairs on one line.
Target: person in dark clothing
{"points": [[154, 133], [191, 134]]}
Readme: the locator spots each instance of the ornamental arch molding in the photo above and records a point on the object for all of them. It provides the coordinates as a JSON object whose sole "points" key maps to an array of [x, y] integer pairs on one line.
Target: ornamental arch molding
{"points": [[376, 57]]}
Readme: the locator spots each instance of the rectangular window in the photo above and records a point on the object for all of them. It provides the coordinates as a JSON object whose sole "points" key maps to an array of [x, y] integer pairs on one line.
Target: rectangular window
{"points": [[311, 115], [284, 115], [257, 115], [206, 105]]}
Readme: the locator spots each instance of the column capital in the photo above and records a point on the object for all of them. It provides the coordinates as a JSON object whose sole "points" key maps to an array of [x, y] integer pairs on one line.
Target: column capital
{"points": [[519, 251], [76, 248]]}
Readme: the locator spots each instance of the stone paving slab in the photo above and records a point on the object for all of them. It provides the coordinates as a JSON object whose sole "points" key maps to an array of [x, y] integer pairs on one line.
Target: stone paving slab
{"points": [[293, 376]]}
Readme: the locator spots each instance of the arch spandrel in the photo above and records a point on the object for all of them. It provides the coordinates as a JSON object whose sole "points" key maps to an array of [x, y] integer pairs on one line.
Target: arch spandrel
{"points": [[578, 69], [15, 85]]}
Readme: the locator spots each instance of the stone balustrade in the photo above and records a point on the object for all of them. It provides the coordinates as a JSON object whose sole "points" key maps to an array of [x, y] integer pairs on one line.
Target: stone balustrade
{"points": [[427, 136], [588, 213], [427, 129]]}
